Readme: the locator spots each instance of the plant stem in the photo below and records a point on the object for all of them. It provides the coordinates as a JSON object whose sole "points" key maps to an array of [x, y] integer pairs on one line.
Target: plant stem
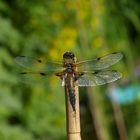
{"points": [[72, 117]]}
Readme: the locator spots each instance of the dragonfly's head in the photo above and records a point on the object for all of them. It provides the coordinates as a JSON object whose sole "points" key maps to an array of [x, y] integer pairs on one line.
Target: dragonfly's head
{"points": [[69, 56]]}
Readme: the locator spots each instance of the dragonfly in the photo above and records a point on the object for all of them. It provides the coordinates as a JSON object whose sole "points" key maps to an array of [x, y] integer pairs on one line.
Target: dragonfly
{"points": [[72, 72]]}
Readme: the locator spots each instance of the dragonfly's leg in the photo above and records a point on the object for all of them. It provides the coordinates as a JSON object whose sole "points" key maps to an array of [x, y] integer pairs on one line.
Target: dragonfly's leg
{"points": [[77, 75], [60, 74], [62, 77]]}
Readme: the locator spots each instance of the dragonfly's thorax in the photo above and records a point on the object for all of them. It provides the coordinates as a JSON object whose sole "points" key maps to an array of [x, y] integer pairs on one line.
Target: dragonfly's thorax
{"points": [[69, 62], [70, 68]]}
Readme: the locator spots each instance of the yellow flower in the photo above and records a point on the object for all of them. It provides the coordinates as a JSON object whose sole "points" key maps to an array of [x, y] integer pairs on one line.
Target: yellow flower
{"points": [[95, 23], [54, 54], [98, 42], [69, 43], [68, 32], [56, 17]]}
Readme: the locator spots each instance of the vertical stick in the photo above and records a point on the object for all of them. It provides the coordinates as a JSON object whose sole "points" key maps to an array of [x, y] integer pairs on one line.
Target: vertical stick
{"points": [[72, 117]]}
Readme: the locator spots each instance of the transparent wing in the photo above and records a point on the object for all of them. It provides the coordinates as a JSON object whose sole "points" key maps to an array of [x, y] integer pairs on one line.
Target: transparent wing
{"points": [[38, 64], [38, 71], [98, 78], [99, 63], [39, 78]]}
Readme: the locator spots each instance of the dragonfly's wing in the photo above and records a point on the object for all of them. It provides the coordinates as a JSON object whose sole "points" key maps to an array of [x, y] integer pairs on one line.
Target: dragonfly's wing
{"points": [[38, 71], [38, 64], [98, 78], [39, 78], [99, 63]]}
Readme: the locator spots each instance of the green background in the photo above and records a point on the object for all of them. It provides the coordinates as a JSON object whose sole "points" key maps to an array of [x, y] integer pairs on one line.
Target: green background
{"points": [[47, 29]]}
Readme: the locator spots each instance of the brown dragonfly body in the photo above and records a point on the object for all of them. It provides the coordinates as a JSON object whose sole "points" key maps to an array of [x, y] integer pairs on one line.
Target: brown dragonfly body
{"points": [[83, 73], [70, 75]]}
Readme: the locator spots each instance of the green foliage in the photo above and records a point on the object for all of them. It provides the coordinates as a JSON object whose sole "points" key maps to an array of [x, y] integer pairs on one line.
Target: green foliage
{"points": [[14, 133], [40, 28]]}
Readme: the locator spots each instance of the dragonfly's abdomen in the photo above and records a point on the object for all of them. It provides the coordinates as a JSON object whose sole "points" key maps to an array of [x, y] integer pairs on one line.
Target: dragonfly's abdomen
{"points": [[72, 98], [70, 88]]}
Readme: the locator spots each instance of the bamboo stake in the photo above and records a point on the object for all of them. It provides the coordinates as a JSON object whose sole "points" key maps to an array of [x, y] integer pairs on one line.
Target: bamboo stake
{"points": [[72, 117]]}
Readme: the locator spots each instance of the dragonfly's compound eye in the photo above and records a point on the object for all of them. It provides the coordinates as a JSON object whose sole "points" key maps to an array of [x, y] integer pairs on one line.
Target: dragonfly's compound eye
{"points": [[68, 55]]}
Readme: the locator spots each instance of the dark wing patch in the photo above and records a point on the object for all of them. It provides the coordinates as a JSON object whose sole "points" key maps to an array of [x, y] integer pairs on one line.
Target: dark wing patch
{"points": [[23, 73], [42, 73], [40, 61]]}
